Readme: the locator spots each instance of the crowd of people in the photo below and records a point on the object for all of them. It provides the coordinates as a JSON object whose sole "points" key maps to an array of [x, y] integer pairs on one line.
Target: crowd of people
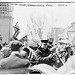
{"points": [[44, 58]]}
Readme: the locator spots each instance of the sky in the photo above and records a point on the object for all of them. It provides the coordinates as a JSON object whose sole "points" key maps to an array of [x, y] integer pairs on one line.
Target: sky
{"points": [[55, 16]]}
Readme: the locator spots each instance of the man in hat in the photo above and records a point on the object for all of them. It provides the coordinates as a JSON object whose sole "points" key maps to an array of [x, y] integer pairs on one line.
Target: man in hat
{"points": [[43, 54]]}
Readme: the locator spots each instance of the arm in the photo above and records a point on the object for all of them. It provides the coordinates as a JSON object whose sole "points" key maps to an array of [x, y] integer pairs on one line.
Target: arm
{"points": [[40, 58]]}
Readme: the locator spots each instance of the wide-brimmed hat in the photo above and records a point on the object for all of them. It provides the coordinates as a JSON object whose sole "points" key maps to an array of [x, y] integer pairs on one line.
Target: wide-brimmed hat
{"points": [[63, 41], [6, 51]]}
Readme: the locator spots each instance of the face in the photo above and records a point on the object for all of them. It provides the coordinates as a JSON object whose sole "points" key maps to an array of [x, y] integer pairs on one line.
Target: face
{"points": [[43, 45], [7, 52], [0, 37]]}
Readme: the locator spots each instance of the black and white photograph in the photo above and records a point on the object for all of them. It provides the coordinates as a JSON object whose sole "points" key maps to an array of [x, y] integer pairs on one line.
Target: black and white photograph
{"points": [[37, 37]]}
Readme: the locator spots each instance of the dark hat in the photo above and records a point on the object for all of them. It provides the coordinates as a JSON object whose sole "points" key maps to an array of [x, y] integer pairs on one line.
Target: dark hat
{"points": [[44, 41]]}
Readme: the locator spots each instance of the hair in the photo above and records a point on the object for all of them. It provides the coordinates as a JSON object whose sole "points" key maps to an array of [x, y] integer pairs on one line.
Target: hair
{"points": [[5, 50], [15, 45]]}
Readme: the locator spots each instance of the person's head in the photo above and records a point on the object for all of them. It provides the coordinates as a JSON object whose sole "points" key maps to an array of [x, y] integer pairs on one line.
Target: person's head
{"points": [[61, 45], [6, 51], [44, 44], [51, 40], [15, 45]]}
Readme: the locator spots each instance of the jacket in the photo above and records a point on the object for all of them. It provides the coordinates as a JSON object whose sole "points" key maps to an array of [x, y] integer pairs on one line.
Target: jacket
{"points": [[14, 61]]}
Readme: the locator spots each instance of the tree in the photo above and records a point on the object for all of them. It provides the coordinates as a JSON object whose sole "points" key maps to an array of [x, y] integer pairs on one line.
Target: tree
{"points": [[37, 24]]}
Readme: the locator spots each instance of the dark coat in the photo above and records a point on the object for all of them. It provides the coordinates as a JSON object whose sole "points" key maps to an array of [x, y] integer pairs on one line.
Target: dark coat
{"points": [[42, 57]]}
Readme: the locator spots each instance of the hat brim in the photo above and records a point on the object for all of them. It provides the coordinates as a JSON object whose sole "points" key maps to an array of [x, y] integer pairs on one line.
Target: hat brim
{"points": [[63, 41]]}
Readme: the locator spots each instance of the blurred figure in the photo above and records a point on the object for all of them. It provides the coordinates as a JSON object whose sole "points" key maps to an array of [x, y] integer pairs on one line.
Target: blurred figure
{"points": [[43, 54], [6, 51], [14, 60]]}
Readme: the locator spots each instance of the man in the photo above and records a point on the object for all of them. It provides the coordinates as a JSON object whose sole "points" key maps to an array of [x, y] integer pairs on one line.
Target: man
{"points": [[14, 60], [43, 54]]}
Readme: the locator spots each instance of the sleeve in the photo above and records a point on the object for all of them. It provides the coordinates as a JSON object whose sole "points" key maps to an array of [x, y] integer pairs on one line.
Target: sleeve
{"points": [[42, 59]]}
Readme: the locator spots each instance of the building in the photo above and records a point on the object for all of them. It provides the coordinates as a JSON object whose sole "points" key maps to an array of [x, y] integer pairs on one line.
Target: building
{"points": [[6, 21]]}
